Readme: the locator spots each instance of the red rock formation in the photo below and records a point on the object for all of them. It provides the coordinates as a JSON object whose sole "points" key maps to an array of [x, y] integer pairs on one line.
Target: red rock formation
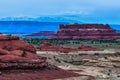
{"points": [[88, 48], [18, 61], [11, 43], [45, 74], [52, 47], [86, 31], [11, 48]]}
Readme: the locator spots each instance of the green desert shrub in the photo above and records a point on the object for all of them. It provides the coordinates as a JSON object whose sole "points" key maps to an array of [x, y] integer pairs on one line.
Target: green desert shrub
{"points": [[105, 57], [24, 54]]}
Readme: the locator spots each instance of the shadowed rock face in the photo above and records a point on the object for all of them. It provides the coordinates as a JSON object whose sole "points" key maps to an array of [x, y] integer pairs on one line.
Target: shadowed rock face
{"points": [[86, 31], [52, 47]]}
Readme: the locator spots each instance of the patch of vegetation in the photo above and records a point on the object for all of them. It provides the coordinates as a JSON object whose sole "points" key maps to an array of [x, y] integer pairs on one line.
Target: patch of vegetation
{"points": [[96, 54], [102, 44], [118, 75], [74, 62], [24, 54], [105, 57], [108, 74], [49, 57], [65, 61], [56, 59]]}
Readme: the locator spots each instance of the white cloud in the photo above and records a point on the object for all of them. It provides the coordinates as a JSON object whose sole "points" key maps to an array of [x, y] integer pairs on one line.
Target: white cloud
{"points": [[95, 8]]}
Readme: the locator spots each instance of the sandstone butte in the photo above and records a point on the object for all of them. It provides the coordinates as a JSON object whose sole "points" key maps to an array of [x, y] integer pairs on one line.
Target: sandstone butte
{"points": [[45, 46], [19, 61], [86, 31]]}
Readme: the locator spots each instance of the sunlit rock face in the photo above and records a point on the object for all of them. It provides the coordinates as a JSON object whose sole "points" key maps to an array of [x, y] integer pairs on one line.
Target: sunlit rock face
{"points": [[11, 43], [13, 49], [19, 61], [86, 31]]}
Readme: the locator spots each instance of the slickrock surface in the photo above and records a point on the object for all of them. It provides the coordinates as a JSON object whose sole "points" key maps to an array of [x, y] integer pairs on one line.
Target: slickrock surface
{"points": [[52, 47], [86, 31]]}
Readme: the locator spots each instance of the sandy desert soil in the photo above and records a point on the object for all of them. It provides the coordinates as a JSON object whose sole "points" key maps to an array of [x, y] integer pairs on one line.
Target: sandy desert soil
{"points": [[103, 65]]}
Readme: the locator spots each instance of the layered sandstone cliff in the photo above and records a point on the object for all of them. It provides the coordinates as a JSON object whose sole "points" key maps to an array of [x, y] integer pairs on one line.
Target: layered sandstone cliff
{"points": [[86, 31], [13, 50], [19, 61]]}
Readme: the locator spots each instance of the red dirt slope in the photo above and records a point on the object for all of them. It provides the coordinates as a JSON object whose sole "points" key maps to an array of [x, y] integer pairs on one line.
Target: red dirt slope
{"points": [[52, 47]]}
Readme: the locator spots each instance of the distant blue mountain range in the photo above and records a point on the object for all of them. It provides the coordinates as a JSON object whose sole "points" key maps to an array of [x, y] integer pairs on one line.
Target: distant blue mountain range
{"points": [[28, 26], [53, 18], [20, 28]]}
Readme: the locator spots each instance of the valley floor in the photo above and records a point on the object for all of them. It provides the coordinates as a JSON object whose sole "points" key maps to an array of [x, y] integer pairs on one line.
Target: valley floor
{"points": [[103, 65]]}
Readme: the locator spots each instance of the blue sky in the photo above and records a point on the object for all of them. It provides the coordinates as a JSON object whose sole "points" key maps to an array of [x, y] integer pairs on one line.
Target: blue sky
{"points": [[95, 10]]}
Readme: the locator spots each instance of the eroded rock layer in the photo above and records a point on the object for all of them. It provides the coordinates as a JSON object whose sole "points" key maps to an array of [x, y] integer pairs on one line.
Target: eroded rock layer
{"points": [[19, 61], [15, 53], [45, 46], [86, 31]]}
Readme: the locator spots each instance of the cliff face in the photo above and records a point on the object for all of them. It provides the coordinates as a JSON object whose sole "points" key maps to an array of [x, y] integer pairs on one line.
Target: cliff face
{"points": [[86, 31]]}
